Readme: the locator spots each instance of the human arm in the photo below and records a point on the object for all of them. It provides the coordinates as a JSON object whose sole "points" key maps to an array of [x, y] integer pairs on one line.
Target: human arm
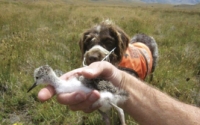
{"points": [[146, 104], [149, 106]]}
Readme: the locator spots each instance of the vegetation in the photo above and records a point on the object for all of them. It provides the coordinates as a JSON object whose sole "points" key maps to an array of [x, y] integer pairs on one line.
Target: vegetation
{"points": [[35, 33]]}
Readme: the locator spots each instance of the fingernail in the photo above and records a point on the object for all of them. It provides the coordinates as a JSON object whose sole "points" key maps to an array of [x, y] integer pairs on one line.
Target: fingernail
{"points": [[92, 98], [78, 97]]}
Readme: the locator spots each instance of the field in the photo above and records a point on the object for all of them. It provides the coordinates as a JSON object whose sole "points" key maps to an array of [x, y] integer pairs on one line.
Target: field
{"points": [[35, 33]]}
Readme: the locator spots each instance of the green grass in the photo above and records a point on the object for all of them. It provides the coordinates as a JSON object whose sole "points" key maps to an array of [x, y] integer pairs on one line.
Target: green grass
{"points": [[35, 33]]}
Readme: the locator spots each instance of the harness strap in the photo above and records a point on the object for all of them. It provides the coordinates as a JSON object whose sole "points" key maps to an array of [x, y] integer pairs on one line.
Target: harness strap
{"points": [[130, 71], [147, 64]]}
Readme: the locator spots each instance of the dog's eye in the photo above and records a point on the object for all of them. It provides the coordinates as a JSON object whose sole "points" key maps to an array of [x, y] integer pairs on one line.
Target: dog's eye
{"points": [[88, 45], [87, 41], [108, 43], [108, 40]]}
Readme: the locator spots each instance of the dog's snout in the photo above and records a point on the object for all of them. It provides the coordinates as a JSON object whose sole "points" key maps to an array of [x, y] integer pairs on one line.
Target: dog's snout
{"points": [[93, 58], [96, 53]]}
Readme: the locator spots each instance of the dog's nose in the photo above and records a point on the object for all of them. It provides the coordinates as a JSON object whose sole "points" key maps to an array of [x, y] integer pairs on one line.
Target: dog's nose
{"points": [[93, 58]]}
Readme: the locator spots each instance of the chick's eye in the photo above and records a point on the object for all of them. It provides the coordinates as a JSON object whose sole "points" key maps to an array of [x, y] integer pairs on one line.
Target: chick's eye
{"points": [[37, 77]]}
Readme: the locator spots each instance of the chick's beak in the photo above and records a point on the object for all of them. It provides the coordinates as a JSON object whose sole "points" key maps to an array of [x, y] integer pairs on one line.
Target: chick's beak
{"points": [[33, 86]]}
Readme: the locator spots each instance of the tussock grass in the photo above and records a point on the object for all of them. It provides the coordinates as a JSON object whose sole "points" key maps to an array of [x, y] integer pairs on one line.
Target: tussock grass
{"points": [[35, 33]]}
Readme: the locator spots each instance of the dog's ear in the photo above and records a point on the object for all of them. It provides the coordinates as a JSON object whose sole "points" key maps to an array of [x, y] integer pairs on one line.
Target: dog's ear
{"points": [[81, 43], [122, 42]]}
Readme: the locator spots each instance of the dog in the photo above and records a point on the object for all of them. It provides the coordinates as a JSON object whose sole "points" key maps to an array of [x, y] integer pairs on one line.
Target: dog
{"points": [[108, 42]]}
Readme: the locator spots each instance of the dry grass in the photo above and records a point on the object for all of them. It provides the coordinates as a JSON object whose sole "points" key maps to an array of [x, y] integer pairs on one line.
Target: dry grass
{"points": [[34, 33]]}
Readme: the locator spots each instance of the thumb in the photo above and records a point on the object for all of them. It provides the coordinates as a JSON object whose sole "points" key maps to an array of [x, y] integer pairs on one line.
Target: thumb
{"points": [[103, 70]]}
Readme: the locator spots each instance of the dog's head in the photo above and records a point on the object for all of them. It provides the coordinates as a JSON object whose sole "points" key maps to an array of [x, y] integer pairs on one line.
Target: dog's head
{"points": [[98, 41]]}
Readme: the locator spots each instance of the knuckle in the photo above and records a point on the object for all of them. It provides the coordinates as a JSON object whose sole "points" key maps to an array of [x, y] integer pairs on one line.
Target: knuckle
{"points": [[73, 108]]}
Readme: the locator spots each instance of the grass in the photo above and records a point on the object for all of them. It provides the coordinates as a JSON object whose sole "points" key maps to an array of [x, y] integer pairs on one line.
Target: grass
{"points": [[35, 33]]}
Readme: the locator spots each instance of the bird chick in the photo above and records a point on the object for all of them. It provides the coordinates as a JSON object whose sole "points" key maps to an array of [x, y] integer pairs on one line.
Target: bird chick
{"points": [[110, 96]]}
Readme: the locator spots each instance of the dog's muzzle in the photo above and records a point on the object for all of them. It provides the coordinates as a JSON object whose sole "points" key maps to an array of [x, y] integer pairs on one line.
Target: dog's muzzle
{"points": [[106, 52]]}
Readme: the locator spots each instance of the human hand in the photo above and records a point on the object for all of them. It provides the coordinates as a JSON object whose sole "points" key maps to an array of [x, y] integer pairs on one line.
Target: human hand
{"points": [[80, 100], [75, 101]]}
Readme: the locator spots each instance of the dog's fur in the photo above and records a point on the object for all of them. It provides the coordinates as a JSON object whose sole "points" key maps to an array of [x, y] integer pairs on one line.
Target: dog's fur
{"points": [[99, 40]]}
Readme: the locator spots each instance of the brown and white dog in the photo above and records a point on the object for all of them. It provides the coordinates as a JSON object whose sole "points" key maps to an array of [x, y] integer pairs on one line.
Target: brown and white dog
{"points": [[106, 41]]}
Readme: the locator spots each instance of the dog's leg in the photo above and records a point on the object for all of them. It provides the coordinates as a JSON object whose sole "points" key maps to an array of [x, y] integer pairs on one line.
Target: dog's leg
{"points": [[120, 113], [105, 117]]}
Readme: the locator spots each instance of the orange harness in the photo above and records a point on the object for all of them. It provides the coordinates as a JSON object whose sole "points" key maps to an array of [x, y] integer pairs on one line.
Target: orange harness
{"points": [[138, 58]]}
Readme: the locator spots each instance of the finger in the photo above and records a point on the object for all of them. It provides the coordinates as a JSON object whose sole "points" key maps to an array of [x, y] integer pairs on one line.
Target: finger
{"points": [[87, 105], [71, 98], [71, 73], [92, 108], [46, 93], [94, 105], [104, 70]]}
